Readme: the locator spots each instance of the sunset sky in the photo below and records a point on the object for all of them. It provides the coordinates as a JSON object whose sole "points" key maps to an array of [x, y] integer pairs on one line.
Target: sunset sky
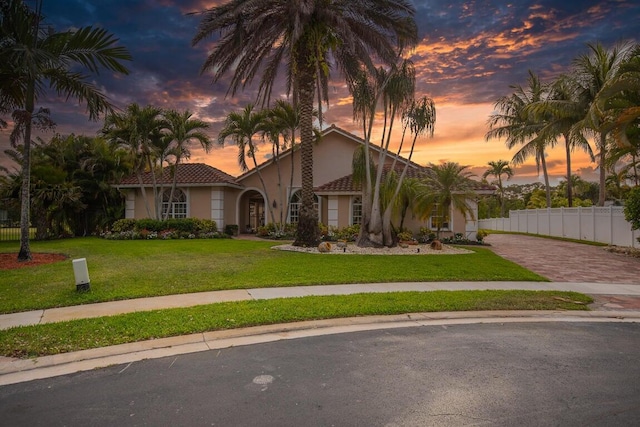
{"points": [[470, 52]]}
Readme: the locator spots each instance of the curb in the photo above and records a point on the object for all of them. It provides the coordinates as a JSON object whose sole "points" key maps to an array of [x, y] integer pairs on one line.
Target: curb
{"points": [[14, 371]]}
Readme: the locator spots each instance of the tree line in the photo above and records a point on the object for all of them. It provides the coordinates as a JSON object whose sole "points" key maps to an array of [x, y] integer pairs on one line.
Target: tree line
{"points": [[598, 100]]}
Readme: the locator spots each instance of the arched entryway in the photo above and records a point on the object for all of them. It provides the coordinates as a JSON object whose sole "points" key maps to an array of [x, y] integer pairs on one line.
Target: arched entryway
{"points": [[251, 211]]}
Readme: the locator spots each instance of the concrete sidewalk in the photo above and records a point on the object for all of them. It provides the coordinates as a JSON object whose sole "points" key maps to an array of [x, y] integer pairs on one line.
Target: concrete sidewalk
{"points": [[189, 300], [19, 370]]}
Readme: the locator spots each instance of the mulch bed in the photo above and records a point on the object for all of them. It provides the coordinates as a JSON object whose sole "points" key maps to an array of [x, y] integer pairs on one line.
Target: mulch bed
{"points": [[9, 261]]}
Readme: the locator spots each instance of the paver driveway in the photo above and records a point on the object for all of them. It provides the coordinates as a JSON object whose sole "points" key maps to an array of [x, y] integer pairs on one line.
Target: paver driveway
{"points": [[561, 261]]}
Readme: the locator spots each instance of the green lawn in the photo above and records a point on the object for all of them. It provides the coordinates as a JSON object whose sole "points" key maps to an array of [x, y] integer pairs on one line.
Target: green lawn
{"points": [[132, 269], [54, 338], [544, 236]]}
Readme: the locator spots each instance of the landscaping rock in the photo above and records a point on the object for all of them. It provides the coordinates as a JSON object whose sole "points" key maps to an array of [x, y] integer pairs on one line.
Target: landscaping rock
{"points": [[324, 247]]}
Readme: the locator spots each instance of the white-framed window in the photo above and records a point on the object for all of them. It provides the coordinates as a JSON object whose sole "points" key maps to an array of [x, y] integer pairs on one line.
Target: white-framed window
{"points": [[294, 206], [356, 210], [439, 219], [177, 207]]}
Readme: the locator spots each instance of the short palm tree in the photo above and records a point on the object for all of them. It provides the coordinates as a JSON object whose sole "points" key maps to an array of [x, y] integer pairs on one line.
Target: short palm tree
{"points": [[498, 169], [242, 128], [302, 36], [138, 130], [181, 130], [34, 57], [448, 186], [286, 120]]}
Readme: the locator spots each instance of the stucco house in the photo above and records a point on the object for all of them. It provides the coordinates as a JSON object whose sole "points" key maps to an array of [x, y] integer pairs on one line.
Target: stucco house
{"points": [[206, 192]]}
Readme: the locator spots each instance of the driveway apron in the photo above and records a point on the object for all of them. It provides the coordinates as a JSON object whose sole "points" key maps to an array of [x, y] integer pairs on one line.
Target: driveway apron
{"points": [[561, 261]]}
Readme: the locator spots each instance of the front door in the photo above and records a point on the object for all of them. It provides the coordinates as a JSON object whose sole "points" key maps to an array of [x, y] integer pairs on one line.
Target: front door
{"points": [[256, 214]]}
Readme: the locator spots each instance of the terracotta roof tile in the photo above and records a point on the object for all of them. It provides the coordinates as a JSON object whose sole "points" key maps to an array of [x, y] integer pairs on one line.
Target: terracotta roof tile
{"points": [[188, 173], [481, 186], [346, 184]]}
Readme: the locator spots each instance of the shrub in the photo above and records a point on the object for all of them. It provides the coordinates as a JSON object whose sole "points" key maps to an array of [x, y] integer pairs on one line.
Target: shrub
{"points": [[231, 229], [426, 235], [632, 208], [204, 226], [270, 231], [147, 228], [149, 224], [349, 234], [405, 235], [123, 225]]}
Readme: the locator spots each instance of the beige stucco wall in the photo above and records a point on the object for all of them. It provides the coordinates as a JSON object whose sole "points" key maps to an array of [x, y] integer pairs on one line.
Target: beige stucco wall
{"points": [[140, 207], [332, 160], [344, 211], [410, 222], [199, 202]]}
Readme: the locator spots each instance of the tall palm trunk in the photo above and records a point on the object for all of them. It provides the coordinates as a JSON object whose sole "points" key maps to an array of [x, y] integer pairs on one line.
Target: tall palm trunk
{"points": [[275, 153], [567, 146], [264, 186], [25, 191], [386, 217], [501, 192], [143, 190], [363, 239], [545, 173], [157, 197], [293, 145], [174, 185], [308, 233], [603, 173]]}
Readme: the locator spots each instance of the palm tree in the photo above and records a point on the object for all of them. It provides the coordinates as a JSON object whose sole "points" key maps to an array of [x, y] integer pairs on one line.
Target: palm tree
{"points": [[34, 56], [394, 89], [242, 128], [497, 169], [514, 122], [286, 121], [623, 93], [100, 166], [181, 130], [629, 157], [562, 109], [138, 130], [449, 186], [596, 72], [302, 36]]}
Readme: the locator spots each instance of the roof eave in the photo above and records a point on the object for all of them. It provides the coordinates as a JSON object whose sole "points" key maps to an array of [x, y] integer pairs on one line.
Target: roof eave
{"points": [[184, 184]]}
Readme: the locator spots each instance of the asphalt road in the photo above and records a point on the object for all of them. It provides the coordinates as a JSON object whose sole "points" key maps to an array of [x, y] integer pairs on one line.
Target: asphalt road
{"points": [[528, 374]]}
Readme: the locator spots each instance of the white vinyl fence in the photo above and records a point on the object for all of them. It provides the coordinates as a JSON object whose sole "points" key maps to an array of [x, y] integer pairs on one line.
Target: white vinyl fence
{"points": [[595, 224]]}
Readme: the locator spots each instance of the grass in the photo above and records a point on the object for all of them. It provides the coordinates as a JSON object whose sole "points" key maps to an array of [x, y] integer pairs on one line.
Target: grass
{"points": [[564, 239], [55, 338], [132, 269]]}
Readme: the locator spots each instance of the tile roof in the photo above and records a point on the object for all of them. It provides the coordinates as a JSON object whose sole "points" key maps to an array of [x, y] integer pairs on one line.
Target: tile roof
{"points": [[483, 186], [346, 184], [188, 173]]}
